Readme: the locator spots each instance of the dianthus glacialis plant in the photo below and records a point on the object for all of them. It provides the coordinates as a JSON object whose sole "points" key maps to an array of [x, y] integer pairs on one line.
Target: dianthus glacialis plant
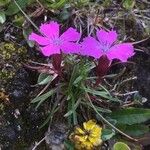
{"points": [[103, 47]]}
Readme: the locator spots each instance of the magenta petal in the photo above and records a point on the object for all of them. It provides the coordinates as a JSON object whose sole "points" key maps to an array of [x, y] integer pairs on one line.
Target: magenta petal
{"points": [[106, 37], [39, 39], [50, 29], [121, 52], [70, 35], [70, 48], [90, 47], [50, 50]]}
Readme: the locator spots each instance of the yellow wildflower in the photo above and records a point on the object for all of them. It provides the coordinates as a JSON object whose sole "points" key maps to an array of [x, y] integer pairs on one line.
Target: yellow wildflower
{"points": [[87, 138]]}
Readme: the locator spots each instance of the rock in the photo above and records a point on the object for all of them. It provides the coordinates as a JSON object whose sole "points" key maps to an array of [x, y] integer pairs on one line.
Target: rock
{"points": [[56, 137], [8, 134], [19, 88], [32, 119], [142, 83]]}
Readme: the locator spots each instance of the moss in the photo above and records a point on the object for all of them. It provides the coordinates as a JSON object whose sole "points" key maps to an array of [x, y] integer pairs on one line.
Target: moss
{"points": [[9, 50], [11, 58]]}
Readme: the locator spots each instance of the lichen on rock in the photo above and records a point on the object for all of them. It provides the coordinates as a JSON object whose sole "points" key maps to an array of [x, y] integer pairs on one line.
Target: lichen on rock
{"points": [[11, 58]]}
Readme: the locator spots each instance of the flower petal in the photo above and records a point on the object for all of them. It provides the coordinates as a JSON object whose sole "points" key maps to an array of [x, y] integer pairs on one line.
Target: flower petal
{"points": [[98, 142], [89, 125], [121, 52], [70, 35], [50, 29], [50, 50], [90, 47], [78, 130], [70, 48], [96, 131], [87, 145], [39, 39], [106, 37]]}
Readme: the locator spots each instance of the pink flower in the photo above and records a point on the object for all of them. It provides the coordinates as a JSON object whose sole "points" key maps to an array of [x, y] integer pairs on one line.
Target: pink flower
{"points": [[52, 43], [105, 45]]}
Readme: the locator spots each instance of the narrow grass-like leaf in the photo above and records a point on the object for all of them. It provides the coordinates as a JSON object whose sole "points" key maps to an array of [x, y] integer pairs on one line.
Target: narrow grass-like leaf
{"points": [[103, 94], [99, 109], [44, 96], [50, 116], [71, 111]]}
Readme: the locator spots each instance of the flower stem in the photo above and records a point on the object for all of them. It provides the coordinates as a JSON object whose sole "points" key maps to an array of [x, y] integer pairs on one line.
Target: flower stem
{"points": [[102, 68], [107, 122]]}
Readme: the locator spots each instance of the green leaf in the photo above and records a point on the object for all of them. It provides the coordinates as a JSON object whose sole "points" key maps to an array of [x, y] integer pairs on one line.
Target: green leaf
{"points": [[44, 96], [99, 109], [71, 111], [121, 146], [58, 4], [44, 78], [129, 4], [26, 33], [4, 2], [13, 9], [131, 115], [69, 145], [107, 3], [77, 80], [107, 134], [103, 94], [2, 17], [18, 20], [134, 130]]}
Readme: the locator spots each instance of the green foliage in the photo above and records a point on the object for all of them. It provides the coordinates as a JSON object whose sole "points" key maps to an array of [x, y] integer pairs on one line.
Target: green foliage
{"points": [[4, 2], [40, 99], [44, 79], [107, 134], [121, 146], [135, 130], [130, 120], [131, 116], [102, 93], [107, 3], [99, 109], [54, 4], [53, 110], [74, 91], [13, 9], [81, 3], [26, 33], [128, 4], [2, 17], [69, 145], [57, 4]]}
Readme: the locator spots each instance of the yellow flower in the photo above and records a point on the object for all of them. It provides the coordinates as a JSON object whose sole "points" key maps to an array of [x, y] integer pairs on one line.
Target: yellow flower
{"points": [[87, 138]]}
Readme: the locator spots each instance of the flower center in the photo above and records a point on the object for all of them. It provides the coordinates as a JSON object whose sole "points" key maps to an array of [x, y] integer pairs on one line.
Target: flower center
{"points": [[104, 46], [56, 41]]}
